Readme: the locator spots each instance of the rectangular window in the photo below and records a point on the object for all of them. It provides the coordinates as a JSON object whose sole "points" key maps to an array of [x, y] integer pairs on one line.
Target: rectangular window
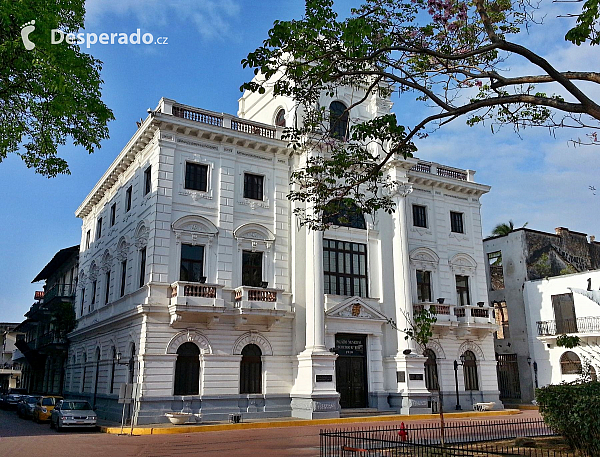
{"points": [[424, 286], [128, 199], [82, 301], [496, 272], [123, 276], [94, 284], [196, 176], [456, 222], [192, 263], [345, 268], [99, 229], [419, 216], [564, 313], [88, 236], [147, 180], [142, 267], [113, 214], [462, 291], [253, 186], [107, 289], [252, 268]]}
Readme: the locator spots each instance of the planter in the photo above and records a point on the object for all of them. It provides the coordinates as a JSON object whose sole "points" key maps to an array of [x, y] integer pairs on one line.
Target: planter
{"points": [[178, 418], [441, 301]]}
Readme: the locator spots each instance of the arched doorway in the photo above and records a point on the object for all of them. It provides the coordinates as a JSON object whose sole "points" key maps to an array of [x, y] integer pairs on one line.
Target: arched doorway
{"points": [[431, 374], [470, 371], [187, 370], [251, 370]]}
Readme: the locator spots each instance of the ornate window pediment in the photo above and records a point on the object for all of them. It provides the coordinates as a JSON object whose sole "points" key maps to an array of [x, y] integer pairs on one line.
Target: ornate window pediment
{"points": [[251, 235], [463, 264], [355, 308], [194, 230], [142, 233], [424, 259]]}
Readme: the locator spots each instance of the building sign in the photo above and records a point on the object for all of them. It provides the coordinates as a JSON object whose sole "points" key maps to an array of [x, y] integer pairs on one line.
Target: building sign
{"points": [[401, 376], [349, 345], [415, 377], [324, 378]]}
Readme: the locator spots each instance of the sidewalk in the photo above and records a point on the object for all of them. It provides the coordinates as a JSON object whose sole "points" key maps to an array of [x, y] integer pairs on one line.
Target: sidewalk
{"points": [[164, 429]]}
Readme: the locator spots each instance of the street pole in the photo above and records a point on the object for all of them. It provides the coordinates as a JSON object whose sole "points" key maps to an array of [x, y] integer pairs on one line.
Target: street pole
{"points": [[458, 407]]}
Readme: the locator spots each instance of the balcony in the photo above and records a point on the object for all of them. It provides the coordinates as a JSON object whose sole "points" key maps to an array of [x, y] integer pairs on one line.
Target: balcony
{"points": [[461, 319], [443, 171], [255, 305], [193, 302], [51, 340], [60, 291], [444, 313], [585, 325]]}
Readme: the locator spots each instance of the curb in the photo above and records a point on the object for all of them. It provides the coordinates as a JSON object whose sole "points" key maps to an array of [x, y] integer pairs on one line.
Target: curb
{"points": [[528, 407], [168, 430]]}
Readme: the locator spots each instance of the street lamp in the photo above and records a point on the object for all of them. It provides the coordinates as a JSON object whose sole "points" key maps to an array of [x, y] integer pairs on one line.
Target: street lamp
{"points": [[456, 364]]}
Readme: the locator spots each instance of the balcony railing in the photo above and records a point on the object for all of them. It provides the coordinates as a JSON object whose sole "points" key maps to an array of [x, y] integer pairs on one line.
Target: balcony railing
{"points": [[450, 173], [50, 338], [459, 311], [253, 129], [246, 293], [182, 290], [443, 171], [197, 116], [59, 290], [480, 312], [580, 325]]}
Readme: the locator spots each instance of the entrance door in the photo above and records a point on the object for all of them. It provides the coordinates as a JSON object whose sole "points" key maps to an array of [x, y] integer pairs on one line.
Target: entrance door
{"points": [[508, 377], [351, 370]]}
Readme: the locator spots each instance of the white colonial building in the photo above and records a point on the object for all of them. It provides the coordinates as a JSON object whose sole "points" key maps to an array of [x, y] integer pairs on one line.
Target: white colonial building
{"points": [[199, 285]]}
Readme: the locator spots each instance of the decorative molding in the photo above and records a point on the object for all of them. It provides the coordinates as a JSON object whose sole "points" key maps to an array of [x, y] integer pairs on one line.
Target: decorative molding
{"points": [[142, 233], [355, 308], [470, 346], [189, 336], [122, 249], [423, 258], [400, 189], [437, 349], [463, 263], [252, 338], [194, 229]]}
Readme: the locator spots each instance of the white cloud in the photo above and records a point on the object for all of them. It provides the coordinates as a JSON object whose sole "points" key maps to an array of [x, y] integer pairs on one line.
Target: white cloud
{"points": [[211, 18]]}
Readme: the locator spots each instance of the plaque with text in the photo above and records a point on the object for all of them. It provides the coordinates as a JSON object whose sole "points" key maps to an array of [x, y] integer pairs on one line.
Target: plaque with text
{"points": [[324, 378], [415, 377], [400, 376]]}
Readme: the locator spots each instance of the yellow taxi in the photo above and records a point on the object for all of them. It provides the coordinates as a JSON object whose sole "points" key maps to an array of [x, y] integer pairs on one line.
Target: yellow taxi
{"points": [[44, 406]]}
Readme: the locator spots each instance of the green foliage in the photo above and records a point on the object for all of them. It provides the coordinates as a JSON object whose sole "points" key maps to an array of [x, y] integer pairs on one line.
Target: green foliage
{"points": [[587, 25], [568, 341], [449, 54], [573, 411], [504, 229], [63, 318], [543, 267], [50, 93], [569, 269], [420, 328]]}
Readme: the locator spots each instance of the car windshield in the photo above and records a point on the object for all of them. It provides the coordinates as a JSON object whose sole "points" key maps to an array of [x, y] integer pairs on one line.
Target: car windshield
{"points": [[48, 401], [75, 405], [32, 399]]}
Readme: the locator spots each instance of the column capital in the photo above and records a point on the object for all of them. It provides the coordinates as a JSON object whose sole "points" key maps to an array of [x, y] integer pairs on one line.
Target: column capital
{"points": [[400, 189]]}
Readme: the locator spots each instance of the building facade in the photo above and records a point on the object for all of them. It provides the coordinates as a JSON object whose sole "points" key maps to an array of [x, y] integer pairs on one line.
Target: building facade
{"points": [[199, 286], [511, 260], [43, 348], [10, 370], [564, 305]]}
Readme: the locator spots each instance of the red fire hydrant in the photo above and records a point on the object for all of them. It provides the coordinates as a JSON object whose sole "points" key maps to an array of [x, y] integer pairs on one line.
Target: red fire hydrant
{"points": [[402, 432]]}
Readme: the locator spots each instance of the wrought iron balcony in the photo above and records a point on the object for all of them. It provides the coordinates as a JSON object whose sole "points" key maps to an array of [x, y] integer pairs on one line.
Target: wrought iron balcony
{"points": [[589, 324], [66, 291]]}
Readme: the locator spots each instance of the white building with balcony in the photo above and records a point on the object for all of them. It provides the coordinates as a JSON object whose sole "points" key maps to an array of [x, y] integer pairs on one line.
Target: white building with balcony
{"points": [[199, 285], [563, 305]]}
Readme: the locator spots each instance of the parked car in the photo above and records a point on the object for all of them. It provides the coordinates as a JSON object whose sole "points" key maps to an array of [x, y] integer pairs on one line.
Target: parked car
{"points": [[73, 413], [26, 406], [10, 399], [44, 406]]}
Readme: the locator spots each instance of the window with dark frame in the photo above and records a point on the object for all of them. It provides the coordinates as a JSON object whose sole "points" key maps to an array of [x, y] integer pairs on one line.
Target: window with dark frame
{"points": [[338, 120], [456, 222], [82, 301], [280, 118], [344, 213], [192, 263], [99, 228], [123, 276], [570, 363], [470, 371], [112, 371], [196, 176], [187, 370], [107, 289], [252, 268], [462, 291], [345, 268], [93, 302], [142, 267], [424, 286], [113, 214], [253, 186], [147, 180], [88, 236], [420, 216], [251, 370], [128, 199], [431, 377]]}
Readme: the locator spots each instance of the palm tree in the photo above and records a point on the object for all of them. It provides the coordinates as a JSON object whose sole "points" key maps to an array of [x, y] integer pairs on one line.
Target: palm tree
{"points": [[504, 229]]}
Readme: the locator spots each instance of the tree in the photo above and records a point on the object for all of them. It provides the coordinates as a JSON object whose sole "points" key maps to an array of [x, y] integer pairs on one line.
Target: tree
{"points": [[504, 229], [48, 92], [451, 54]]}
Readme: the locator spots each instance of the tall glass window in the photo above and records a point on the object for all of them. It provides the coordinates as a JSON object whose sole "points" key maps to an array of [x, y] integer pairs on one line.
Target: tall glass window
{"points": [[345, 268], [192, 263]]}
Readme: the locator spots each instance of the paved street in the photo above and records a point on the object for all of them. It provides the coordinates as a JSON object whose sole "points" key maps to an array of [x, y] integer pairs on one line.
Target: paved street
{"points": [[20, 437]]}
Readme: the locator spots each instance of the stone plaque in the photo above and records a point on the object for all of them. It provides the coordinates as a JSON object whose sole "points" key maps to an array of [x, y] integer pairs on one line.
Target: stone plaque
{"points": [[324, 378], [415, 376], [400, 376]]}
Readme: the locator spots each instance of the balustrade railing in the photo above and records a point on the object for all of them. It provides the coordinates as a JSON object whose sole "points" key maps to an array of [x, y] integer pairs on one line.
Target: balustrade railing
{"points": [[480, 312], [197, 116], [588, 324], [422, 168], [199, 290], [252, 128], [449, 173], [255, 294], [459, 312]]}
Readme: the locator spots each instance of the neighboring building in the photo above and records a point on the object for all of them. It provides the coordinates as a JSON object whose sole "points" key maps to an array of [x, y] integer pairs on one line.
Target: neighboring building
{"points": [[563, 305], [199, 285], [513, 259], [10, 370], [47, 323]]}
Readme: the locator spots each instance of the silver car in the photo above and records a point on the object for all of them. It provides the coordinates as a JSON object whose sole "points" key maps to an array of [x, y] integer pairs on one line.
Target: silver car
{"points": [[73, 413]]}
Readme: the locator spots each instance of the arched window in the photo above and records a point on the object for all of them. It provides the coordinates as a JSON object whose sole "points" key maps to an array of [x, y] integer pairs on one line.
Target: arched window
{"points": [[338, 120], [97, 375], [470, 371], [592, 373], [84, 372], [344, 213], [251, 370], [112, 370], [431, 378], [570, 363], [280, 118], [187, 370]]}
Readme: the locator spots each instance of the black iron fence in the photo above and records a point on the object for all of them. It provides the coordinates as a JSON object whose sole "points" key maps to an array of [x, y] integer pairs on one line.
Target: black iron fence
{"points": [[461, 439], [580, 325]]}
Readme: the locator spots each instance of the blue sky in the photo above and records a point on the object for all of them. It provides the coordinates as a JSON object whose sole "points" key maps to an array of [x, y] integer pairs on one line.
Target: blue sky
{"points": [[535, 178]]}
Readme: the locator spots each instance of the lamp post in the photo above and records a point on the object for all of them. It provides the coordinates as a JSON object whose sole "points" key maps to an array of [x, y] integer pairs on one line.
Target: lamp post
{"points": [[456, 364]]}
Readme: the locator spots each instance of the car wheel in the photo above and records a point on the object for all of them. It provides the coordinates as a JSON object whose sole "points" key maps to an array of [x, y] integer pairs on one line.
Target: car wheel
{"points": [[51, 423], [58, 427]]}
